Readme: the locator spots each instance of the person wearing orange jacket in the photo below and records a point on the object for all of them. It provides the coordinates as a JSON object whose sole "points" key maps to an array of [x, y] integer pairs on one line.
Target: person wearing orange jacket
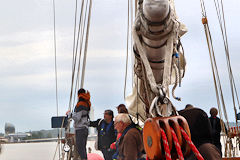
{"points": [[80, 115]]}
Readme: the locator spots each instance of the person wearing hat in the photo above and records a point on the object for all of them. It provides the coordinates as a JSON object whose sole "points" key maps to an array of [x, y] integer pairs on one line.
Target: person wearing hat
{"points": [[106, 133], [80, 115]]}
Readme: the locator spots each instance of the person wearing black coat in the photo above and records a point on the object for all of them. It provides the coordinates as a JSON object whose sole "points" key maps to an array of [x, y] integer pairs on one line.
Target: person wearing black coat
{"points": [[216, 128], [200, 129], [106, 133]]}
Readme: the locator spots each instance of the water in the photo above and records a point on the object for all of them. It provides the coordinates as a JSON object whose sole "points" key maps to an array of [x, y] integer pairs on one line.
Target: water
{"points": [[33, 151]]}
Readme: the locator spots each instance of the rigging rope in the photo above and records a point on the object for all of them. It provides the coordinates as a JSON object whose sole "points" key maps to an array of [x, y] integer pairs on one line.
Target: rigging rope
{"points": [[126, 66], [166, 145], [217, 83], [55, 67], [80, 34], [75, 54], [185, 136], [177, 145], [221, 19], [73, 68], [86, 44], [82, 38], [132, 54], [234, 93], [83, 35], [55, 54], [190, 143], [74, 33]]}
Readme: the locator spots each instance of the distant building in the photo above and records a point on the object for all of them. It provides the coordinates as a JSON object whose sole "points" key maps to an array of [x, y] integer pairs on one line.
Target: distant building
{"points": [[12, 136], [9, 128]]}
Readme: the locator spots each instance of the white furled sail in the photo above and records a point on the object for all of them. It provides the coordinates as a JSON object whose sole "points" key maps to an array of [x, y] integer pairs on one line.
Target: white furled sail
{"points": [[159, 58]]}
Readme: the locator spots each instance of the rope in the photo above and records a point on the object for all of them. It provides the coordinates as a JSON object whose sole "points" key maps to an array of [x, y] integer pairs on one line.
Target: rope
{"points": [[86, 45], [177, 145], [216, 78], [74, 33], [75, 55], [55, 67], [137, 103], [221, 19], [166, 145], [176, 82], [126, 66], [76, 42], [55, 54], [190, 143], [75, 48], [56, 151], [132, 54], [81, 33]]}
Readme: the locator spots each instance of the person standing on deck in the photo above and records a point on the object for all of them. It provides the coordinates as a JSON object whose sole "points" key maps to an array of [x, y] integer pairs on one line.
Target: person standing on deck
{"points": [[106, 133], [81, 121], [216, 128]]}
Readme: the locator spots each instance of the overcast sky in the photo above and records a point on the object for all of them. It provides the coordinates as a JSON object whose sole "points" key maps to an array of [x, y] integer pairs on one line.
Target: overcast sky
{"points": [[27, 82]]}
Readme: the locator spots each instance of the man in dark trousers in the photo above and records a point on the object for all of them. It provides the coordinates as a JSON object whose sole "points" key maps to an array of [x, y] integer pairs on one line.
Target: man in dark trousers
{"points": [[216, 128], [106, 133], [80, 115]]}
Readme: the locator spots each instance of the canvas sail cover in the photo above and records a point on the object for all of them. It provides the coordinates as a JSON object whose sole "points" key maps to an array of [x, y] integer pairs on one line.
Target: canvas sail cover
{"points": [[159, 42]]}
